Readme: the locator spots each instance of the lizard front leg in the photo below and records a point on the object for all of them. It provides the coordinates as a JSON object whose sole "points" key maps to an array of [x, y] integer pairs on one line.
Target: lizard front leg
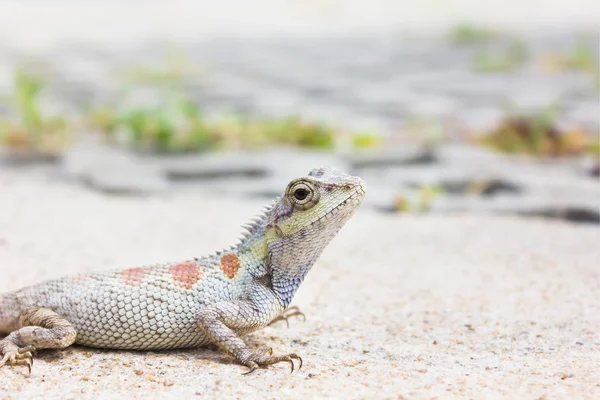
{"points": [[41, 329], [222, 322]]}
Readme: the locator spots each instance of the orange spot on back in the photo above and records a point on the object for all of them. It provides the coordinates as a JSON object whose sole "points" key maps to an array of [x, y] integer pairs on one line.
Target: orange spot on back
{"points": [[186, 273], [133, 276], [230, 263]]}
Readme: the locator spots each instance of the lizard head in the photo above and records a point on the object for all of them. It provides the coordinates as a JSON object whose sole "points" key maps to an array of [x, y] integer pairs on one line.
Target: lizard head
{"points": [[305, 219], [320, 202]]}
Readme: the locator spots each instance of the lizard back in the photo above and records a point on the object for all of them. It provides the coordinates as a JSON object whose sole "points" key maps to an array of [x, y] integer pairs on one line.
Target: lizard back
{"points": [[149, 307]]}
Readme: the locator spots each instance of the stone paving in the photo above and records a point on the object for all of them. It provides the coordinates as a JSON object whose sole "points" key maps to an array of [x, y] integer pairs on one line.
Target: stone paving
{"points": [[471, 179], [377, 84], [370, 83]]}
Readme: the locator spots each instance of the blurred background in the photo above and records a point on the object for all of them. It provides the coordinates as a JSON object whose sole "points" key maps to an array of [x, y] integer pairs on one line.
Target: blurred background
{"points": [[440, 106]]}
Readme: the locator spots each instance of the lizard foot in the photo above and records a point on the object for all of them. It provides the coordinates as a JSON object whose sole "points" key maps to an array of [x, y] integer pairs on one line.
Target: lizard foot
{"points": [[263, 359], [14, 355], [293, 311]]}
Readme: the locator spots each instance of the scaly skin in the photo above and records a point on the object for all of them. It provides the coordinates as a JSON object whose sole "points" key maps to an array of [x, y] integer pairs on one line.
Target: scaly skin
{"points": [[215, 299]]}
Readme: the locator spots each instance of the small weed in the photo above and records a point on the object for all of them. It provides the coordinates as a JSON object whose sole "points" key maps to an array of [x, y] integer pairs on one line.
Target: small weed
{"points": [[427, 195], [31, 130], [294, 131], [593, 147], [536, 135], [102, 119], [466, 33], [509, 59], [177, 124], [366, 141], [580, 58], [402, 204]]}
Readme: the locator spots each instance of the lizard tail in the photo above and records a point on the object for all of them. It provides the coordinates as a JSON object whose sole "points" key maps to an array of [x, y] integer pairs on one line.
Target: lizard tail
{"points": [[10, 310]]}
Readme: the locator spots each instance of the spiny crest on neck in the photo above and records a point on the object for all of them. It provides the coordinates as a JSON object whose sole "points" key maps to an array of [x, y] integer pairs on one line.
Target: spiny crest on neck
{"points": [[255, 226], [257, 223]]}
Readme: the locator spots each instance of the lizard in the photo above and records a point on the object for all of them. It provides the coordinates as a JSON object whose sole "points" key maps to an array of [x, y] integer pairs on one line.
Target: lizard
{"points": [[216, 299]]}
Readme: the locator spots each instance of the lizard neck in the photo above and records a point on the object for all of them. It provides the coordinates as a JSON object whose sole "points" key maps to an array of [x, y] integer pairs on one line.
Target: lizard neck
{"points": [[289, 260], [291, 257], [285, 284]]}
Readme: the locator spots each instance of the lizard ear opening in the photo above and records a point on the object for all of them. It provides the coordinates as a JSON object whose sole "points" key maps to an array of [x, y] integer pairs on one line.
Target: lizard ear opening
{"points": [[302, 194]]}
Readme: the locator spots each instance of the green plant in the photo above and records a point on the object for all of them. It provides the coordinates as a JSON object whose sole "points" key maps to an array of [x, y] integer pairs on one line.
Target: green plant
{"points": [[536, 134], [31, 129], [402, 204], [103, 119], [177, 124], [467, 33], [582, 57], [290, 131], [174, 125], [26, 93], [366, 140], [297, 132], [593, 147], [427, 194], [509, 59]]}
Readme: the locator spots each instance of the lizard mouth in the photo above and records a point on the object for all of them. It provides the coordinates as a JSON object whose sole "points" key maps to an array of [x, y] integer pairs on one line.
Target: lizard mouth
{"points": [[353, 199]]}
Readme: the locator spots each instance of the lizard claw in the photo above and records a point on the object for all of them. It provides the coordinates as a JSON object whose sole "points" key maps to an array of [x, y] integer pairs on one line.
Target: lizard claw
{"points": [[29, 363], [265, 360], [291, 357], [253, 367], [13, 355], [292, 311]]}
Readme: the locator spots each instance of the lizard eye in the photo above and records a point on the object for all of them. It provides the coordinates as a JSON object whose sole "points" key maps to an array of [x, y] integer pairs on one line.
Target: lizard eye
{"points": [[303, 195], [300, 194]]}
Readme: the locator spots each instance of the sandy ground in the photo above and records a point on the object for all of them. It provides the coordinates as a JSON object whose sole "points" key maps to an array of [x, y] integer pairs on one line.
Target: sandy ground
{"points": [[397, 307]]}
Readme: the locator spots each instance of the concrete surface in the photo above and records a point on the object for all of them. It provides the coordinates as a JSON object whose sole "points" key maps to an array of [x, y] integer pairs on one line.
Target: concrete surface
{"points": [[399, 307]]}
